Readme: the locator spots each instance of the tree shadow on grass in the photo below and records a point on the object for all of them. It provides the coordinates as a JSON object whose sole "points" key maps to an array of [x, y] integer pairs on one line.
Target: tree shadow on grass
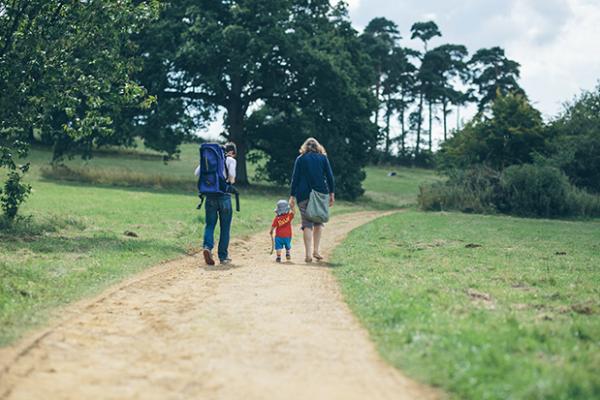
{"points": [[175, 187]]}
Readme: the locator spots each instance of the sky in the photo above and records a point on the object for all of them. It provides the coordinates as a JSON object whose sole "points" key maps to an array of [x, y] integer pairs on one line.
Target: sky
{"points": [[557, 42]]}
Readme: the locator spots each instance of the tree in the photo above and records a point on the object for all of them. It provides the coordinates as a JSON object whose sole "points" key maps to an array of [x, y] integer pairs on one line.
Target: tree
{"points": [[331, 68], [494, 73], [575, 140], [397, 89], [425, 31], [380, 39], [63, 73], [511, 135], [450, 66], [231, 55]]}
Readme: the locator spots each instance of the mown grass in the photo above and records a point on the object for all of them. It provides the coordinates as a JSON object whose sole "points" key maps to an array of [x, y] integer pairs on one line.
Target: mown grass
{"points": [[396, 191], [71, 241], [486, 307]]}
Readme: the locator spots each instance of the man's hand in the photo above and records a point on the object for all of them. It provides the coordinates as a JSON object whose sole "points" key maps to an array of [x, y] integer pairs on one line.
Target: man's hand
{"points": [[331, 199]]}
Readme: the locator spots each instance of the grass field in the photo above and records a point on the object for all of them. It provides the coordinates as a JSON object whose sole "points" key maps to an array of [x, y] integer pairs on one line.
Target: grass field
{"points": [[73, 242], [486, 307], [398, 190]]}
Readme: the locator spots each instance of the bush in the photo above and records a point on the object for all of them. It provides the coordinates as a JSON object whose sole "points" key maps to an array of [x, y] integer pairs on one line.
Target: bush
{"points": [[527, 190], [531, 190], [472, 190]]}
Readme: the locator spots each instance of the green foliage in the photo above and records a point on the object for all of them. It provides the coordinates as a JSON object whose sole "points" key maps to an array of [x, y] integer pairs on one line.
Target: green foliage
{"points": [[425, 31], [484, 307], [332, 68], [530, 190], [65, 71], [226, 55], [494, 73], [575, 144], [14, 193], [474, 190], [527, 190], [511, 135]]}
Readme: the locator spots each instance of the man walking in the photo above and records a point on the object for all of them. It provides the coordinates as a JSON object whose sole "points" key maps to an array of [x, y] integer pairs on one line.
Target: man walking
{"points": [[218, 208]]}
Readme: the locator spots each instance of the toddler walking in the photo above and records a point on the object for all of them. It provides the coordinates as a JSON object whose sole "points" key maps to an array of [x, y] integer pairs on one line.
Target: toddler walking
{"points": [[282, 226]]}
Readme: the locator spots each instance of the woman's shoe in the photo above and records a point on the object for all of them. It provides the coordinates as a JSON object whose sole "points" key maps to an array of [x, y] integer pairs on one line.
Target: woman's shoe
{"points": [[317, 256], [308, 259]]}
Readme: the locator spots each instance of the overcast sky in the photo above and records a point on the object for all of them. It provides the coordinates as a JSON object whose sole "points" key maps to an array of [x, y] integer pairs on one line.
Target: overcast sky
{"points": [[557, 42]]}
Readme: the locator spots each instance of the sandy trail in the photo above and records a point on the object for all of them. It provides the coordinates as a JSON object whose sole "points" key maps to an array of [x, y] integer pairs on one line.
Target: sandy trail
{"points": [[182, 330]]}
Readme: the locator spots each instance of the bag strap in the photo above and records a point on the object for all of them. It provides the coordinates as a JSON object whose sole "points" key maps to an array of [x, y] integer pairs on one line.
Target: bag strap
{"points": [[201, 202], [226, 168]]}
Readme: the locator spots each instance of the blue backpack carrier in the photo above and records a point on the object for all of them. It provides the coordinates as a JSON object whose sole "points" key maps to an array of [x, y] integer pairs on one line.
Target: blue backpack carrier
{"points": [[213, 170]]}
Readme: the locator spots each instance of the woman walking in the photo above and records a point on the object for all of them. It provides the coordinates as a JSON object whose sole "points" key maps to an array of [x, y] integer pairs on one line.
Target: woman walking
{"points": [[312, 171]]}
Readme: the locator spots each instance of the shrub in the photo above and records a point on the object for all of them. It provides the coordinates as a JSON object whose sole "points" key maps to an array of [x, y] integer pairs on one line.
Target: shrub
{"points": [[523, 190], [582, 203], [531, 190], [472, 190]]}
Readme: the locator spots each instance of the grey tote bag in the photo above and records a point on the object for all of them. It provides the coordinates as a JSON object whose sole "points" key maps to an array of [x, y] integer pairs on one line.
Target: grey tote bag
{"points": [[317, 209]]}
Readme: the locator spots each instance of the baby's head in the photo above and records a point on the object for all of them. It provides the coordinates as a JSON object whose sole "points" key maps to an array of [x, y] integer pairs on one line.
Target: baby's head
{"points": [[283, 207]]}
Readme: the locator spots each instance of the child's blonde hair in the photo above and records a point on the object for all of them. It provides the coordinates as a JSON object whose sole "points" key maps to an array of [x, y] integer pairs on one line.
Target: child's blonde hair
{"points": [[312, 145]]}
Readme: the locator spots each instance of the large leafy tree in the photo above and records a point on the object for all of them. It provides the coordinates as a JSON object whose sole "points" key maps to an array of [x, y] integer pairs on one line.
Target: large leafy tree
{"points": [[494, 73], [64, 71], [331, 66], [229, 55], [424, 31]]}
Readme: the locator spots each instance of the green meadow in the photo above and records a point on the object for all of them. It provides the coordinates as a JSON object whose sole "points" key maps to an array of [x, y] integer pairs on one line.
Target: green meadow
{"points": [[485, 307]]}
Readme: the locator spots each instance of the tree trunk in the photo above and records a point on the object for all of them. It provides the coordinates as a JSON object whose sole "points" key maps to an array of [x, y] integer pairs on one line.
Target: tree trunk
{"points": [[430, 126], [402, 132], [388, 114], [377, 90], [419, 124], [236, 114], [235, 120], [444, 110]]}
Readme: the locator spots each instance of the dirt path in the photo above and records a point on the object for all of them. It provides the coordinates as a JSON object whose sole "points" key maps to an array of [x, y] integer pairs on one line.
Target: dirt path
{"points": [[255, 330]]}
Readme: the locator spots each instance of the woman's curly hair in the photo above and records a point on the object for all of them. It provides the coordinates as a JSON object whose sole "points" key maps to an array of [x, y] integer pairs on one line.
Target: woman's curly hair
{"points": [[312, 145]]}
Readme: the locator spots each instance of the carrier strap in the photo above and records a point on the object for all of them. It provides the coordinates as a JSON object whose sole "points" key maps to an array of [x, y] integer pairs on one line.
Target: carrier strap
{"points": [[201, 202]]}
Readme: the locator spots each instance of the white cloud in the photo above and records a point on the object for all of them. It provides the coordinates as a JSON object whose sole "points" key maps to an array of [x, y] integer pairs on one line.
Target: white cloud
{"points": [[555, 70], [353, 4]]}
